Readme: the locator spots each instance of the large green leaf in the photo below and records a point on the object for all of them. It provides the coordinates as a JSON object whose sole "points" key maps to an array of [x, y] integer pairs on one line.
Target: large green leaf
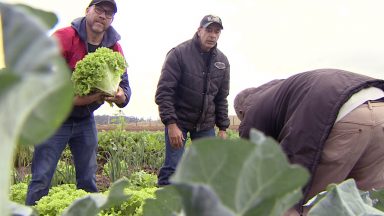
{"points": [[21, 210], [46, 17], [238, 177], [40, 98], [36, 92], [167, 202], [343, 199], [7, 80], [200, 199]]}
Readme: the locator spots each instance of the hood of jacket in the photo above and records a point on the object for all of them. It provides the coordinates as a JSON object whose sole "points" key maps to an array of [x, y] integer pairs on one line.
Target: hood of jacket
{"points": [[110, 37]]}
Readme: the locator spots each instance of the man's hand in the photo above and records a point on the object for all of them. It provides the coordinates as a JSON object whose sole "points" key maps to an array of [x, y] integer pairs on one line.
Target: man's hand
{"points": [[119, 97], [175, 136], [88, 99], [222, 134]]}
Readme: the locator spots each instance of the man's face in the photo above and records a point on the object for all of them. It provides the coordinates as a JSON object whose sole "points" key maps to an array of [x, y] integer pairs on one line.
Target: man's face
{"points": [[209, 36], [99, 17]]}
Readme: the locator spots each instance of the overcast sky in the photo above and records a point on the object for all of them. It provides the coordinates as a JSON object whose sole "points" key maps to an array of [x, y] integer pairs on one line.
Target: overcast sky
{"points": [[263, 39]]}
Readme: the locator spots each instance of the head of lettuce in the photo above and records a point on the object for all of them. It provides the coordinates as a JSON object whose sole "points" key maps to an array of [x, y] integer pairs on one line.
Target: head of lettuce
{"points": [[99, 71]]}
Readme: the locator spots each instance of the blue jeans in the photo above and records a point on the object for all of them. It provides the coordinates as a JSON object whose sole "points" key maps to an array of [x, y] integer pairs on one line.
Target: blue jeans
{"points": [[81, 136], [173, 156]]}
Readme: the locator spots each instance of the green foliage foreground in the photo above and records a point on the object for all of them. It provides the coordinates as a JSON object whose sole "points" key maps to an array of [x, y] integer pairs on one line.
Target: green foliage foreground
{"points": [[35, 88], [242, 178], [60, 199], [215, 177], [232, 177]]}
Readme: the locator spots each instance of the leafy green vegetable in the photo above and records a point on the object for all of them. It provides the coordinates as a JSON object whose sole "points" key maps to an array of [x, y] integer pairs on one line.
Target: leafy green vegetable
{"points": [[167, 202], [18, 192], [142, 179], [93, 203], [344, 199], [133, 206], [233, 177], [100, 70], [58, 199]]}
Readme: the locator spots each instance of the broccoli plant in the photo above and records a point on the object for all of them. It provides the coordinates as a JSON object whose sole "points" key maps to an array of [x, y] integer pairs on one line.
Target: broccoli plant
{"points": [[231, 177]]}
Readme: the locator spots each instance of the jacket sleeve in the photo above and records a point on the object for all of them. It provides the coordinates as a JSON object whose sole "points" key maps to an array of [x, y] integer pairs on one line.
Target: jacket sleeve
{"points": [[124, 83], [167, 86], [221, 102]]}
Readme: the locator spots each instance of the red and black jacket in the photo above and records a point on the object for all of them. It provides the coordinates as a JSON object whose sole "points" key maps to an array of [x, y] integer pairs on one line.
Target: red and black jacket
{"points": [[73, 42]]}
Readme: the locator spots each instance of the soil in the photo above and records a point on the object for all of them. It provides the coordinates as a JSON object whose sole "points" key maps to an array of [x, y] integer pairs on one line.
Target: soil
{"points": [[155, 127], [102, 182]]}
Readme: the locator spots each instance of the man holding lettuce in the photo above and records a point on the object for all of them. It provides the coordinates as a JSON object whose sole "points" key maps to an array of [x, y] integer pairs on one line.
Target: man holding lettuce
{"points": [[85, 35]]}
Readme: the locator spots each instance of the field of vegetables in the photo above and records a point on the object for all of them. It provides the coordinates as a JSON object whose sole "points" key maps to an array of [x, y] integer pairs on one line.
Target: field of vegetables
{"points": [[135, 155], [120, 153]]}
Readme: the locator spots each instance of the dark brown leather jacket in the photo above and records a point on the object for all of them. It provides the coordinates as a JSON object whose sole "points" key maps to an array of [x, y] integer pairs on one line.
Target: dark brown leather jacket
{"points": [[300, 111]]}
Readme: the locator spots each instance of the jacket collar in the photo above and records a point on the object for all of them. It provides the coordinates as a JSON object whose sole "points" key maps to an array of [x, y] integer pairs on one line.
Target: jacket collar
{"points": [[110, 37]]}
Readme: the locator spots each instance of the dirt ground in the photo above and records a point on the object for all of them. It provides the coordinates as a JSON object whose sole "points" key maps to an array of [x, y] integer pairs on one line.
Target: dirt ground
{"points": [[148, 127], [132, 127], [157, 125]]}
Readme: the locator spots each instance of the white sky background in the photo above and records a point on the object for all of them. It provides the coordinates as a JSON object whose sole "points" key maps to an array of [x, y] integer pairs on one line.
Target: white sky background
{"points": [[263, 39]]}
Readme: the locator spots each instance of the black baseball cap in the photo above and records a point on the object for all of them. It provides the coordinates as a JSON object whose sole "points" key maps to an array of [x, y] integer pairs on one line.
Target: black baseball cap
{"points": [[95, 2], [209, 19]]}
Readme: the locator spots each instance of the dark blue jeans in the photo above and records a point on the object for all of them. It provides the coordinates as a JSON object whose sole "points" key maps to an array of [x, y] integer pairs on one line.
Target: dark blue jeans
{"points": [[173, 156], [81, 136]]}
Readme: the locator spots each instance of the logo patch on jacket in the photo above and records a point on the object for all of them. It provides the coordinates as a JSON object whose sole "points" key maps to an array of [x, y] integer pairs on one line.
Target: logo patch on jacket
{"points": [[220, 65]]}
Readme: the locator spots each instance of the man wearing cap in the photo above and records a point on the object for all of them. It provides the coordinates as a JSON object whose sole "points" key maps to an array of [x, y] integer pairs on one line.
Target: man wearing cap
{"points": [[192, 92], [85, 35]]}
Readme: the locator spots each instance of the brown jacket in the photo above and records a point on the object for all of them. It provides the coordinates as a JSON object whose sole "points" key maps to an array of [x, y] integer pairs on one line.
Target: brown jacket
{"points": [[299, 112]]}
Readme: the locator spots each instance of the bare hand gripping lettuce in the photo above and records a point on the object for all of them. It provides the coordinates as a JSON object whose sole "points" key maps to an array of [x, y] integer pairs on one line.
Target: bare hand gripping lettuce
{"points": [[99, 71]]}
